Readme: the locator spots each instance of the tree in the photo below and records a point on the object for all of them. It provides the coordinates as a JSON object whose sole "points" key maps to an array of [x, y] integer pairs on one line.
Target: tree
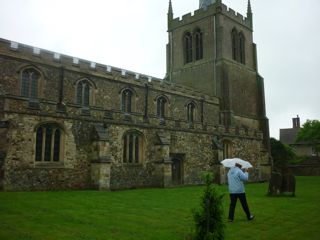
{"points": [[310, 132], [209, 218], [282, 154]]}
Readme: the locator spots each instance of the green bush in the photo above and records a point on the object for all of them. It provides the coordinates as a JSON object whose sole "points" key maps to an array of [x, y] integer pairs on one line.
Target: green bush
{"points": [[209, 218]]}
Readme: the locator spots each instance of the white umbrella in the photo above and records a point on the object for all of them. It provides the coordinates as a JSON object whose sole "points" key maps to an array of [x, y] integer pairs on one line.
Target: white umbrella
{"points": [[231, 162]]}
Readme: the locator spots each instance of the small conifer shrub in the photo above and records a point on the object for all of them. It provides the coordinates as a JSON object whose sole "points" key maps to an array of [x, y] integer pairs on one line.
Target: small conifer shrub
{"points": [[209, 217]]}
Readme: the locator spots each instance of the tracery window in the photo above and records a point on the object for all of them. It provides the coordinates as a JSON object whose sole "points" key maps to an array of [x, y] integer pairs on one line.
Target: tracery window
{"points": [[48, 143], [188, 47], [84, 89], [199, 44], [127, 101], [132, 147], [30, 79]]}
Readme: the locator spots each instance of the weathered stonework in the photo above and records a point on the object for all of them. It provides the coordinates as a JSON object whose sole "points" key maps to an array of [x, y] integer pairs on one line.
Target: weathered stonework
{"points": [[74, 128]]}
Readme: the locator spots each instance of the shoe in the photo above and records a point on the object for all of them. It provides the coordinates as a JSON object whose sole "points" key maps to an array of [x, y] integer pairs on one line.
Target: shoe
{"points": [[230, 220], [251, 218]]}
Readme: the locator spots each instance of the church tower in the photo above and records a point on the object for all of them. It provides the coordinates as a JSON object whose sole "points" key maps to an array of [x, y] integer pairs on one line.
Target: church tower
{"points": [[205, 3], [212, 51]]}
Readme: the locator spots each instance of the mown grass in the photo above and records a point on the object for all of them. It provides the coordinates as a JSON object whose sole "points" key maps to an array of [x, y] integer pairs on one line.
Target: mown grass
{"points": [[155, 214]]}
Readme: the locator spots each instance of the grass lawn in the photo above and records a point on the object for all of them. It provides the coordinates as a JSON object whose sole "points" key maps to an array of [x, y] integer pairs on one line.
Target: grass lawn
{"points": [[155, 214]]}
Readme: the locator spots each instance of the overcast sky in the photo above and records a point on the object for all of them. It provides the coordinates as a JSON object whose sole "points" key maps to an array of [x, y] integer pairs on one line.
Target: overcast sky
{"points": [[131, 34]]}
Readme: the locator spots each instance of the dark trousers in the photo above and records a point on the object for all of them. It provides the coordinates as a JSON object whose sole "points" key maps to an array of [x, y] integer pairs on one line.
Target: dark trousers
{"points": [[233, 201]]}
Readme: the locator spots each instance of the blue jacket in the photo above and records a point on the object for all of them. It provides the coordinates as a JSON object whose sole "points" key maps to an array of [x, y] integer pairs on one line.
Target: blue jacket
{"points": [[236, 177]]}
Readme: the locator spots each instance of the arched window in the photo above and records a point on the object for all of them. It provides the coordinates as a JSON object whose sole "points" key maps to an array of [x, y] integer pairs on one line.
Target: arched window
{"points": [[132, 147], [48, 143], [191, 112], [30, 83], [84, 89], [126, 99], [242, 48], [187, 47], [161, 107], [199, 44], [234, 37]]}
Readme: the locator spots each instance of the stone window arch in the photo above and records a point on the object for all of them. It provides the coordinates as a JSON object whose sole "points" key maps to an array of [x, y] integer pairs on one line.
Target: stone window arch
{"points": [[30, 83], [85, 92], [198, 43], [162, 106], [133, 147], [49, 143], [187, 45]]}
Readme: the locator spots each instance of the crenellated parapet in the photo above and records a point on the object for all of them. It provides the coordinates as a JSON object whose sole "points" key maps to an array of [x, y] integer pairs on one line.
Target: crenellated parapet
{"points": [[34, 54], [42, 56], [214, 9]]}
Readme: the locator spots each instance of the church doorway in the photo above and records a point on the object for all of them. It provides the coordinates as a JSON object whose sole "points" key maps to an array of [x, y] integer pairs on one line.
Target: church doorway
{"points": [[177, 168]]}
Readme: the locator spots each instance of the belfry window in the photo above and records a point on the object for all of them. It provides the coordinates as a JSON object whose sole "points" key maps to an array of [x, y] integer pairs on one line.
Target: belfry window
{"points": [[132, 147], [161, 107], [30, 83], [191, 112], [48, 143], [127, 101], [234, 36], [199, 44], [83, 92], [241, 48], [238, 46], [187, 48]]}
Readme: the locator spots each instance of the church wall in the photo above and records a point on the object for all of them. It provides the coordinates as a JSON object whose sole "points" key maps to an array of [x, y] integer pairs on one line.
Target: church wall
{"points": [[23, 173], [243, 91]]}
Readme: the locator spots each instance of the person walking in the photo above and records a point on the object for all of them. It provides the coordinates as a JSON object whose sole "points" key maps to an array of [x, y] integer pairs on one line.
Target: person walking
{"points": [[236, 177]]}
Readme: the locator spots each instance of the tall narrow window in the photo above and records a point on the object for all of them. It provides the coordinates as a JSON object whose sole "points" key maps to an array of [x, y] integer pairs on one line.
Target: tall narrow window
{"points": [[188, 47], [83, 92], [161, 107], [30, 83], [199, 44], [127, 101], [48, 143], [227, 149], [241, 48], [191, 112], [132, 147], [234, 37]]}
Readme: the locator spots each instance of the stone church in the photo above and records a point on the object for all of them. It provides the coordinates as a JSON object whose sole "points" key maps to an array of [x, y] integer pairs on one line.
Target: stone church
{"points": [[69, 123]]}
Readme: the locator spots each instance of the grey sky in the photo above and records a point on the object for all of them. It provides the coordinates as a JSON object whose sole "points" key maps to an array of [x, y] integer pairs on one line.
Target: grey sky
{"points": [[131, 34]]}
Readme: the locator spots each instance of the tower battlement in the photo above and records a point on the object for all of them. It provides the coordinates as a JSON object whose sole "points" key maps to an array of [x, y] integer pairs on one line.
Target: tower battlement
{"points": [[213, 9]]}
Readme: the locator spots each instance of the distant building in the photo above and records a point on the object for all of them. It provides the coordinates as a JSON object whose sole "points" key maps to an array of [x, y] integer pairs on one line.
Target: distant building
{"points": [[288, 136], [68, 123]]}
